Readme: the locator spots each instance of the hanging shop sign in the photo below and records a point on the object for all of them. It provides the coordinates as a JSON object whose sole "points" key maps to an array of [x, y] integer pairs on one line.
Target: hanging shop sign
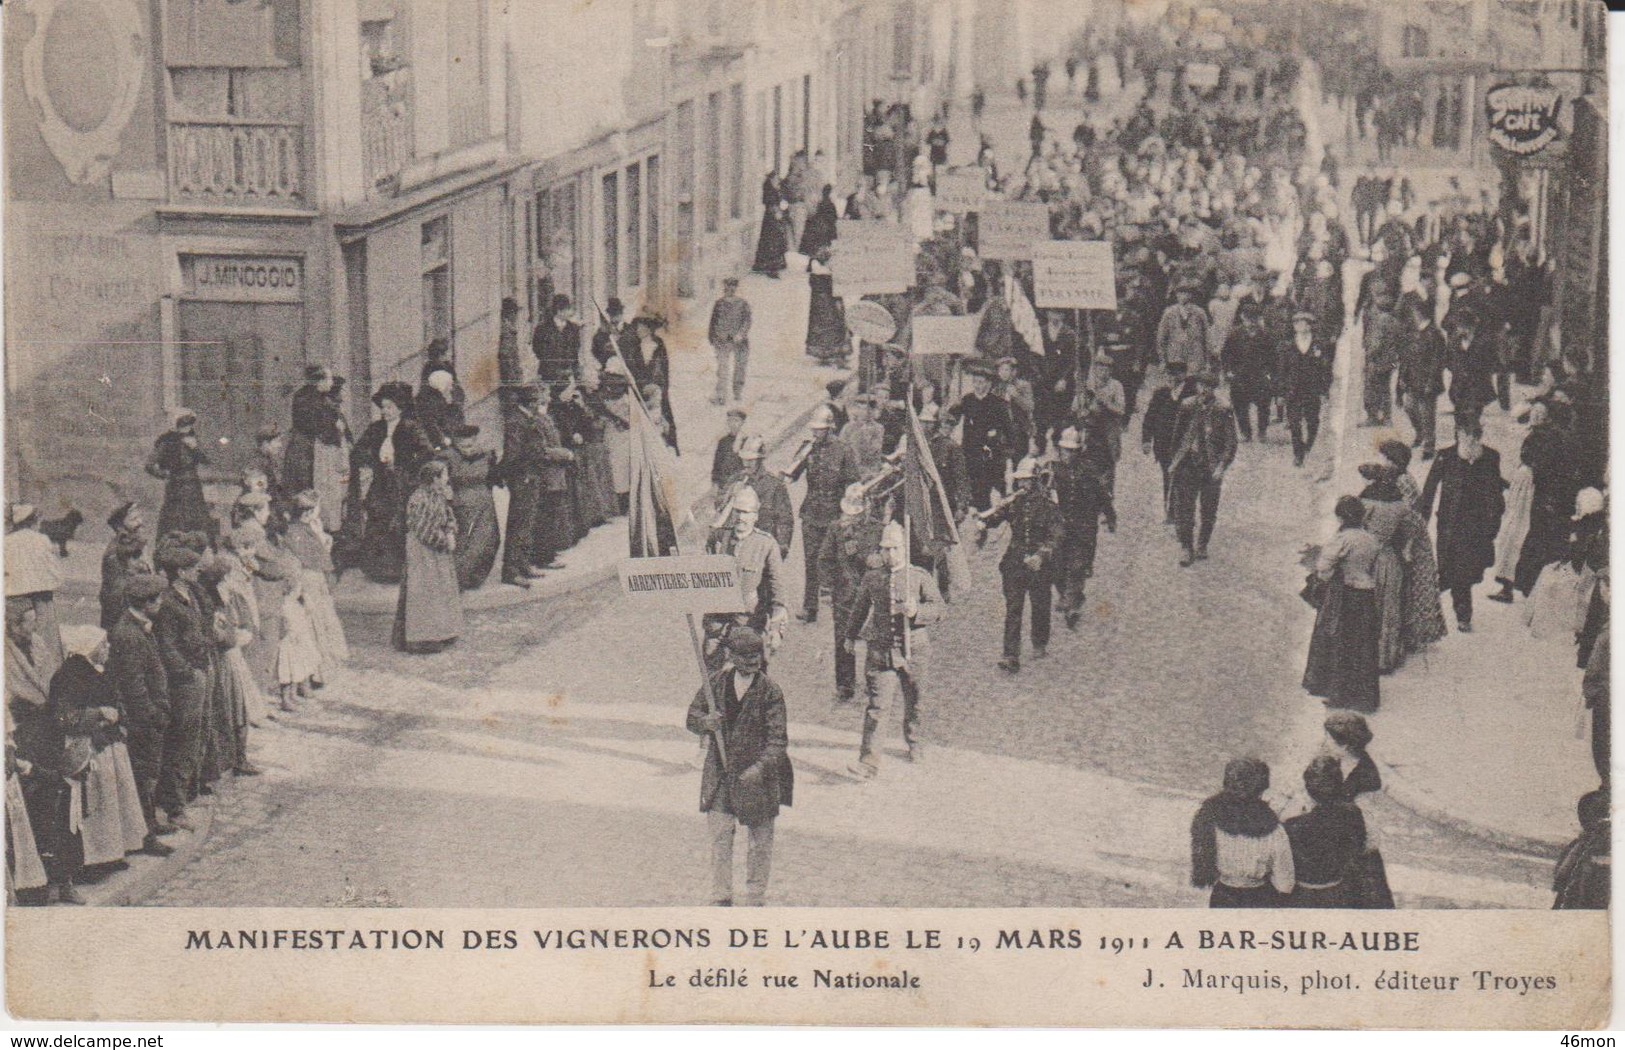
{"points": [[1522, 117]]}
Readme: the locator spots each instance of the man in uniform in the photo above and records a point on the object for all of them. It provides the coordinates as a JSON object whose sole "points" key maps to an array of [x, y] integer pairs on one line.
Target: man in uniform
{"points": [[864, 436], [761, 578], [1083, 499], [831, 469], [747, 765], [843, 558], [896, 603], [777, 515], [136, 670], [183, 647], [1028, 564], [1248, 358], [988, 437], [1204, 448]]}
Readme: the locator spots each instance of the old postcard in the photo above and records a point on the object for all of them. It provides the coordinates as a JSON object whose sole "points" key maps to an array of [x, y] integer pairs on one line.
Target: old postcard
{"points": [[932, 512]]}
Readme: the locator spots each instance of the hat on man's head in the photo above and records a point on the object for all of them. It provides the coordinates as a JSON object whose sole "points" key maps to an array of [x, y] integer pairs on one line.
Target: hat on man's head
{"points": [[891, 536], [175, 557], [184, 417], [467, 430], [115, 520], [1070, 438], [1207, 379], [268, 432], [737, 412], [1303, 315], [19, 514], [1396, 452], [615, 308], [143, 588], [253, 500], [397, 393], [856, 499], [307, 500], [316, 373]]}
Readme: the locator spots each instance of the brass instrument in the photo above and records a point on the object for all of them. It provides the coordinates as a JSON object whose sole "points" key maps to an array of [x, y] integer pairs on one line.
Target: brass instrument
{"points": [[798, 462]]}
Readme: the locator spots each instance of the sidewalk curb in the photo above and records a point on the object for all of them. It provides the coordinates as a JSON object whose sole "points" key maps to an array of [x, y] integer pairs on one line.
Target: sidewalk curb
{"points": [[1398, 787], [143, 883]]}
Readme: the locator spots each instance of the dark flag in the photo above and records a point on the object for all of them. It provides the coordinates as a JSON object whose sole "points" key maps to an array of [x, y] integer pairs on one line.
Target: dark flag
{"points": [[926, 507]]}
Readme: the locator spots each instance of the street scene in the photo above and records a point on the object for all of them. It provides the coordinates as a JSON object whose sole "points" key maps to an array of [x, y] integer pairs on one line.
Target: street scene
{"points": [[855, 453]]}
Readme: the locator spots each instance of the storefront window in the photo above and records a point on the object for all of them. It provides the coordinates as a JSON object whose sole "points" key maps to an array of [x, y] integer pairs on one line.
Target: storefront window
{"points": [[556, 245], [612, 235], [736, 150], [634, 225], [651, 172]]}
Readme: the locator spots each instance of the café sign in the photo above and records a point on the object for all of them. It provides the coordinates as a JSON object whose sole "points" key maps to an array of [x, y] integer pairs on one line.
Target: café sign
{"points": [[1522, 117]]}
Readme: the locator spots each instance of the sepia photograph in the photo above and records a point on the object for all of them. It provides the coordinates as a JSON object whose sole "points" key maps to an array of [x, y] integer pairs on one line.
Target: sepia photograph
{"points": [[823, 454]]}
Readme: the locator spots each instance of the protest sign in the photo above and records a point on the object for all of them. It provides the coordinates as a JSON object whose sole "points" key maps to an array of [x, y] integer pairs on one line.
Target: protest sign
{"points": [[872, 258], [689, 583], [945, 335], [1009, 229], [1074, 274]]}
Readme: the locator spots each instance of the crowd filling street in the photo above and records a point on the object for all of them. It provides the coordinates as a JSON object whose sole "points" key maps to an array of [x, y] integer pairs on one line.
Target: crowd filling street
{"points": [[1137, 478]]}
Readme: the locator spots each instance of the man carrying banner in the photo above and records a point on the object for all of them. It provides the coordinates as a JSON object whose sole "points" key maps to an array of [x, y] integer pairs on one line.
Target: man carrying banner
{"points": [[896, 603], [831, 469], [747, 765], [843, 558], [761, 580]]}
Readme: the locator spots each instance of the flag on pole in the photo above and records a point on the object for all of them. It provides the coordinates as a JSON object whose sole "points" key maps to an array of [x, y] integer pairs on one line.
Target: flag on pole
{"points": [[1023, 318], [926, 506], [655, 508]]}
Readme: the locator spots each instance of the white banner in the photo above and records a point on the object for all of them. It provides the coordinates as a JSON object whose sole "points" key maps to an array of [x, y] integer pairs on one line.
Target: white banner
{"points": [[1009, 229], [872, 258], [688, 583], [1074, 274]]}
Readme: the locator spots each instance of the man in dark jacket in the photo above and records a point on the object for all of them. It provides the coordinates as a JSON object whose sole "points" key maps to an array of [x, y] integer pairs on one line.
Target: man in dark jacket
{"points": [[777, 517], [843, 558], [989, 437], [1305, 377], [1157, 428], [183, 641], [1248, 357], [1383, 333], [1466, 479], [618, 336], [136, 670], [1421, 375], [1028, 564], [830, 468], [530, 452], [1083, 499], [747, 765], [557, 343], [725, 461], [124, 558], [1204, 448]]}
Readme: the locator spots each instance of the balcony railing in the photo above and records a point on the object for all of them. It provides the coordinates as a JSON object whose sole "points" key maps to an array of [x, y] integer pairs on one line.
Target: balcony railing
{"points": [[237, 164], [386, 126]]}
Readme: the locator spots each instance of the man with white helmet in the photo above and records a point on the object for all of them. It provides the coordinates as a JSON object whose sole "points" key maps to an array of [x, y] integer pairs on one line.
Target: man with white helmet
{"points": [[831, 469], [895, 605], [778, 517], [843, 558], [1028, 564], [761, 577], [1083, 498]]}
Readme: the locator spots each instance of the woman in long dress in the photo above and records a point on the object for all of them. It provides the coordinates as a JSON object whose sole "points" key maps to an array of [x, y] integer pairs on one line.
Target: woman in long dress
{"points": [[40, 745], [1421, 614], [386, 459], [1342, 665], [1348, 736], [772, 242], [1388, 520], [242, 609], [106, 805], [819, 233], [319, 446], [657, 368], [827, 339], [477, 534], [1326, 841], [614, 402], [34, 572], [429, 615], [225, 740], [176, 457], [24, 869]]}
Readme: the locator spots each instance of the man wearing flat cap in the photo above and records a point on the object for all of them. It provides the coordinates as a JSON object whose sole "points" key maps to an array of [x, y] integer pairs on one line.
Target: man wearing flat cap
{"points": [[125, 557], [1305, 375], [1204, 448], [843, 558], [135, 668], [989, 437], [183, 646], [831, 470], [747, 773], [1182, 332]]}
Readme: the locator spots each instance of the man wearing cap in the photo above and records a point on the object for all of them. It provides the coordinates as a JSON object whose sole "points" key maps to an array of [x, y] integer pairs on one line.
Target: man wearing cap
{"points": [[895, 604], [729, 332], [530, 450], [725, 461], [843, 558], [1028, 564], [1157, 428], [1305, 375], [1383, 333], [1106, 399], [619, 337], [747, 773], [947, 455], [761, 575], [135, 669], [125, 557], [1017, 392], [1473, 358], [183, 647], [831, 470], [1204, 448], [989, 436], [1083, 499], [271, 443], [1421, 375], [777, 515], [864, 436], [1182, 332], [557, 343]]}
